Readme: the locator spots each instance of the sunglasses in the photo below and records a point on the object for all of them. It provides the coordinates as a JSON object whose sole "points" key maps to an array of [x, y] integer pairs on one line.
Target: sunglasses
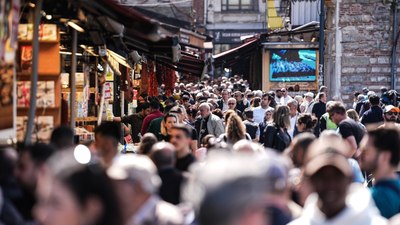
{"points": [[231, 103], [392, 113]]}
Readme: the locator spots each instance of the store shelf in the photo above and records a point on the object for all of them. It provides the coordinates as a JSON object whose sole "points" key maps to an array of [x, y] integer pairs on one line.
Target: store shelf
{"points": [[29, 42], [39, 108], [78, 89]]}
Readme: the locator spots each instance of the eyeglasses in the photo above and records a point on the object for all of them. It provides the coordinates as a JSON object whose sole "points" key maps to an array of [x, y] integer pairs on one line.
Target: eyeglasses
{"points": [[392, 113]]}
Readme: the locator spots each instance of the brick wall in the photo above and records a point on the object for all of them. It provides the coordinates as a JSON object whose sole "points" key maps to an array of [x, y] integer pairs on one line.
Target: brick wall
{"points": [[366, 46]]}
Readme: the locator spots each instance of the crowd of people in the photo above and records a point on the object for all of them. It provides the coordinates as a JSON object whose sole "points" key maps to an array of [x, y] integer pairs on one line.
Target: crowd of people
{"points": [[216, 153]]}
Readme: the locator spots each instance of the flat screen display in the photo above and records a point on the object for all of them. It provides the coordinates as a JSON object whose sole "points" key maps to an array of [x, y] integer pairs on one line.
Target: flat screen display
{"points": [[293, 65]]}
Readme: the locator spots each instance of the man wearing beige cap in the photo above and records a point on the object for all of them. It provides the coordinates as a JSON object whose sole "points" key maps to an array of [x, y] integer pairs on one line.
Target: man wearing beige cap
{"points": [[136, 182], [335, 201], [390, 116]]}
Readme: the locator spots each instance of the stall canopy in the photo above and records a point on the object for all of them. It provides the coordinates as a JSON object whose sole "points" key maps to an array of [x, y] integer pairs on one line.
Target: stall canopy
{"points": [[129, 30], [236, 55]]}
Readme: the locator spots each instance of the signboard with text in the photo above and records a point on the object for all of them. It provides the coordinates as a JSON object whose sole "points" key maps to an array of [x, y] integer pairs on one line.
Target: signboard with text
{"points": [[233, 36]]}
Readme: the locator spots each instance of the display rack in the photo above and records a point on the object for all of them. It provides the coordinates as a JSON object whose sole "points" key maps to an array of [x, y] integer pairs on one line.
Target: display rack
{"points": [[48, 75]]}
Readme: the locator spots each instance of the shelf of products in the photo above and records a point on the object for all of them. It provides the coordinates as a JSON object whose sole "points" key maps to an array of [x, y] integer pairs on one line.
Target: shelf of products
{"points": [[48, 102]]}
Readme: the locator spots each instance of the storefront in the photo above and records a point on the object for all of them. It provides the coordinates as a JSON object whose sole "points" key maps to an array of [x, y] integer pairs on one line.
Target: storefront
{"points": [[91, 61]]}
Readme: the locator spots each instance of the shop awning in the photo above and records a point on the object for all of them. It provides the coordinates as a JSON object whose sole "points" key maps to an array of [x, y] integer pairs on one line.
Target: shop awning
{"points": [[233, 56], [144, 35]]}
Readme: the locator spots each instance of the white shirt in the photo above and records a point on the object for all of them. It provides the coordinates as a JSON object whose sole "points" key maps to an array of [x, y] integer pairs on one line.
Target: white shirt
{"points": [[259, 114], [284, 100], [293, 121]]}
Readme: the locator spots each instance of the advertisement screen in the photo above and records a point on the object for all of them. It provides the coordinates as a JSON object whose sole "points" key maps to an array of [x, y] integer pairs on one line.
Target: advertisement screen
{"points": [[293, 65]]}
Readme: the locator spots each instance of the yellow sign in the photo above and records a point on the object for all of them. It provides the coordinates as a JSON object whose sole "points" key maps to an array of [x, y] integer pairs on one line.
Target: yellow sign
{"points": [[274, 19]]}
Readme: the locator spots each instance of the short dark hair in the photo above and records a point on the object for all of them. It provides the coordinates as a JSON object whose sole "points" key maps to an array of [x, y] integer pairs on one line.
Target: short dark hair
{"points": [[185, 129], [387, 139], [62, 137], [267, 95], [248, 112], [109, 129], [321, 94], [39, 152], [374, 99], [143, 106], [155, 104], [336, 107]]}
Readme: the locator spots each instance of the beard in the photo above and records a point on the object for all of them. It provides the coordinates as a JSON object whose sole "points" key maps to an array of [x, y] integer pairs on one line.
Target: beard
{"points": [[391, 119]]}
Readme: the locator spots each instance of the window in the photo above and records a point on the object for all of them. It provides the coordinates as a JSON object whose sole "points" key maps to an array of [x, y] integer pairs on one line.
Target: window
{"points": [[239, 5]]}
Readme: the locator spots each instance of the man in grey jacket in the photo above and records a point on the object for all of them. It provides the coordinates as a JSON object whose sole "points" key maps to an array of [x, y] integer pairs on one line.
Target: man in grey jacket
{"points": [[208, 123]]}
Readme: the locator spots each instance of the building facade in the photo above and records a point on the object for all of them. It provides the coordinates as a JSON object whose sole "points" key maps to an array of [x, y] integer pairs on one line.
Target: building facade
{"points": [[359, 43]]}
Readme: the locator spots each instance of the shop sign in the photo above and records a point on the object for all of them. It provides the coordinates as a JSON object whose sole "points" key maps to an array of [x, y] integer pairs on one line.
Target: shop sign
{"points": [[232, 36], [184, 38]]}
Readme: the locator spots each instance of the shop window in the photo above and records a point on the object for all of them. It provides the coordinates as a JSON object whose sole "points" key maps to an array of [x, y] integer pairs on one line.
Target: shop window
{"points": [[239, 5]]}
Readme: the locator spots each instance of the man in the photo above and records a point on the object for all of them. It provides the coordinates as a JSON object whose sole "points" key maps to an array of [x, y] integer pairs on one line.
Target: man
{"points": [[278, 96], [136, 182], [181, 138], [308, 99], [182, 116], [259, 112], [107, 136], [230, 190], [154, 114], [252, 127], [380, 156], [163, 156], [135, 121], [285, 97], [319, 109], [31, 163], [292, 104], [348, 128], [335, 201], [223, 102], [208, 123], [232, 105], [241, 103], [62, 137], [390, 115], [375, 113]]}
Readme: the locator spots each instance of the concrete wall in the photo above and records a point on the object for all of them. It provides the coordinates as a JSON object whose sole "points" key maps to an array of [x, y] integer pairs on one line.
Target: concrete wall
{"points": [[366, 43]]}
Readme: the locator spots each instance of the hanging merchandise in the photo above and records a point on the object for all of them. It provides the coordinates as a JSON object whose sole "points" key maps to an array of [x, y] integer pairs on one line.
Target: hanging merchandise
{"points": [[153, 84], [169, 81]]}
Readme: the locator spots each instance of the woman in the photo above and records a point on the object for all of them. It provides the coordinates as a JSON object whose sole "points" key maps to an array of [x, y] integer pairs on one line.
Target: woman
{"points": [[167, 123], [352, 114], [306, 123], [276, 135], [71, 193], [235, 130], [267, 120]]}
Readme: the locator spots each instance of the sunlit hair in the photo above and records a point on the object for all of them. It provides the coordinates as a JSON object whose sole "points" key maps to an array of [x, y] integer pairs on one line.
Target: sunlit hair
{"points": [[163, 130], [228, 114], [235, 129], [282, 116], [352, 114]]}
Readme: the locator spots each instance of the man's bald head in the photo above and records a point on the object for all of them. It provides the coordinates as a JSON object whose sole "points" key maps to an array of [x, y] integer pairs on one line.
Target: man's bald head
{"points": [[163, 155]]}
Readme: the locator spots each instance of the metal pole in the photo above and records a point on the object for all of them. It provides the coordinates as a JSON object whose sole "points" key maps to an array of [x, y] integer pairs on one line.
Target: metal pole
{"points": [[394, 48], [73, 78], [321, 40], [34, 77]]}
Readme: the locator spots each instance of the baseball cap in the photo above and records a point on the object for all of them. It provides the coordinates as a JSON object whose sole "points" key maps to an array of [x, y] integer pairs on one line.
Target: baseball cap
{"points": [[309, 94], [322, 154], [390, 108], [137, 168]]}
